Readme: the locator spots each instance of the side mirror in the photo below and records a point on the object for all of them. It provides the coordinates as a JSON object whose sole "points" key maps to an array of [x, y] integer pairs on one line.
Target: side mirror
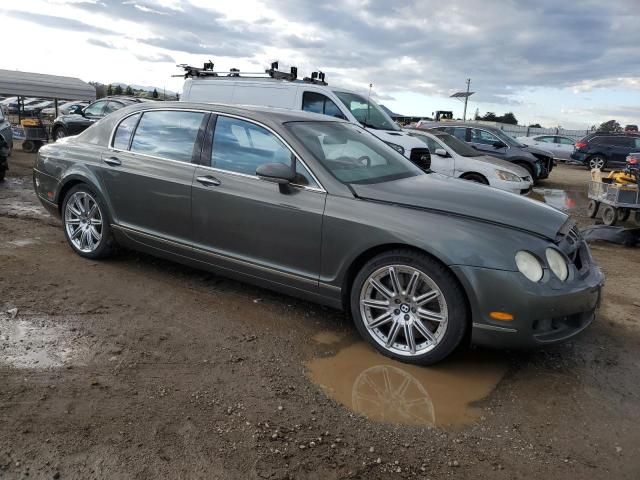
{"points": [[499, 144], [276, 173], [441, 152]]}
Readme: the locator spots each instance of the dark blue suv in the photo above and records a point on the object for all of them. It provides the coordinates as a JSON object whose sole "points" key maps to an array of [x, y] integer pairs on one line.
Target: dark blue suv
{"points": [[602, 150]]}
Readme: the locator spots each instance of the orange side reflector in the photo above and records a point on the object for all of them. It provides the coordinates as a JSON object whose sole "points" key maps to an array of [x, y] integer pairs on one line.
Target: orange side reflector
{"points": [[504, 316]]}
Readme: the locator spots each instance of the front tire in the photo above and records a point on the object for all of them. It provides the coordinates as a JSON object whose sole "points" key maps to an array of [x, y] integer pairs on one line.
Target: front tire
{"points": [[409, 307], [86, 223], [476, 177], [59, 133]]}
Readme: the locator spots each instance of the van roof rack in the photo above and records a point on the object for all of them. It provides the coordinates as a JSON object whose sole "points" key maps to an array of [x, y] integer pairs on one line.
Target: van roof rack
{"points": [[207, 71]]}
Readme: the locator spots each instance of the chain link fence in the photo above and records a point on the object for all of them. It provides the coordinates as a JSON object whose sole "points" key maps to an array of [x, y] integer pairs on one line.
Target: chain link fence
{"points": [[524, 131]]}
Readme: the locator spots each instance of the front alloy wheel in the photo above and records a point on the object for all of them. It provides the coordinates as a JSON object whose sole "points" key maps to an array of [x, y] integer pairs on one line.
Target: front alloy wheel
{"points": [[409, 307]]}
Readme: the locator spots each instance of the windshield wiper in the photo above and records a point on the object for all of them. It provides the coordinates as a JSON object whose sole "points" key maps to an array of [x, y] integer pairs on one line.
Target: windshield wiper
{"points": [[368, 125]]}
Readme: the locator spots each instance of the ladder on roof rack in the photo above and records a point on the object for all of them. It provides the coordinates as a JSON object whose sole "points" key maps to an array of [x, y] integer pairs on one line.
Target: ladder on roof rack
{"points": [[273, 72]]}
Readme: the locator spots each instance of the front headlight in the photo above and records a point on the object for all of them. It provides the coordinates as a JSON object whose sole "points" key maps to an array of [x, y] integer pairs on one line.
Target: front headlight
{"points": [[557, 263], [529, 266], [507, 176], [397, 148]]}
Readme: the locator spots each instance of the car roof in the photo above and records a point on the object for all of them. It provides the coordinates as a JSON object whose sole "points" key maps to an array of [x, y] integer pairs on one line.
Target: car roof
{"points": [[262, 114]]}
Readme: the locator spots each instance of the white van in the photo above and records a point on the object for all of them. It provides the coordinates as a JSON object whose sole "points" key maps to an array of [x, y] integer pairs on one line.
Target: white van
{"points": [[310, 95]]}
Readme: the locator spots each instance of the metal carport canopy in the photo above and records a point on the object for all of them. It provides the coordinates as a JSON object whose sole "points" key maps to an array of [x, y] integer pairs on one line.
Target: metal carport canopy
{"points": [[27, 84]]}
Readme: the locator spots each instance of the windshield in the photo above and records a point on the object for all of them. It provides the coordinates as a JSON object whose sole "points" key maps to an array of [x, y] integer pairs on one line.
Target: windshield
{"points": [[458, 146], [351, 154], [509, 140], [367, 112]]}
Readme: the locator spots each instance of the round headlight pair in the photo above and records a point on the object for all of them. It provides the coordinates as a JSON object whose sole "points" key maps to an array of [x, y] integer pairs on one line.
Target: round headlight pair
{"points": [[529, 265]]}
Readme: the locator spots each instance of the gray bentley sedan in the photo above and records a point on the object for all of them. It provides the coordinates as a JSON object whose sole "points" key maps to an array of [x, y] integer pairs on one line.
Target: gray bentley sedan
{"points": [[316, 207]]}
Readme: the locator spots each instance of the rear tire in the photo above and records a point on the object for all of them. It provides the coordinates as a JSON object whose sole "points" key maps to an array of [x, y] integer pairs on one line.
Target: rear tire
{"points": [[421, 322], [597, 161], [592, 208], [609, 215], [623, 214], [86, 223]]}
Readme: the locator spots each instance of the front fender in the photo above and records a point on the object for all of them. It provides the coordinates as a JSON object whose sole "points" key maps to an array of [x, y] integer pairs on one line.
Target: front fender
{"points": [[351, 227]]}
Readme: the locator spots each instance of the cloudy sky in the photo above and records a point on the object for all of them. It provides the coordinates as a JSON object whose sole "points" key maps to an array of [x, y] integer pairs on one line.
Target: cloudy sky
{"points": [[572, 63]]}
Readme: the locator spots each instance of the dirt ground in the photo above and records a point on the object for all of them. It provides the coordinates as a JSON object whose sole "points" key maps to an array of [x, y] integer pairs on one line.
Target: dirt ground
{"points": [[140, 368]]}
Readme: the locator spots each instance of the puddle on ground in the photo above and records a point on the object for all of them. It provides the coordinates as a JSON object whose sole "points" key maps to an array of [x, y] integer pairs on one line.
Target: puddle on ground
{"points": [[37, 343], [388, 391], [24, 242], [326, 337], [560, 199]]}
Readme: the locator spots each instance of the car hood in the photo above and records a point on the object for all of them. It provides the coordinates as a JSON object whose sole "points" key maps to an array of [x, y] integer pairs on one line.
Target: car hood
{"points": [[502, 165], [452, 196]]}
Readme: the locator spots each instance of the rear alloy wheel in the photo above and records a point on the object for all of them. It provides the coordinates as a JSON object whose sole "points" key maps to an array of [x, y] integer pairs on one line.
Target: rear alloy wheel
{"points": [[609, 215], [592, 208], [86, 227], [623, 214], [409, 307], [597, 161]]}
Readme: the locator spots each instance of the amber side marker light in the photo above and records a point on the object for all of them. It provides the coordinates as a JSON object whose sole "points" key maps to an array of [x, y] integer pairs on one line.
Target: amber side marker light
{"points": [[504, 316]]}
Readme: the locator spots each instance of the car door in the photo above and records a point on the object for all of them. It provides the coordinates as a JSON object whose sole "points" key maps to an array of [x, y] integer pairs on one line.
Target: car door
{"points": [[548, 143], [565, 147], [487, 142], [249, 225], [619, 148], [148, 171]]}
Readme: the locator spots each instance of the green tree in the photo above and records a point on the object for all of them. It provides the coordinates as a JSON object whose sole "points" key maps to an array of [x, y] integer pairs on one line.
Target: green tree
{"points": [[508, 118], [109, 90], [489, 117], [610, 126], [155, 93], [117, 90], [535, 125], [129, 90]]}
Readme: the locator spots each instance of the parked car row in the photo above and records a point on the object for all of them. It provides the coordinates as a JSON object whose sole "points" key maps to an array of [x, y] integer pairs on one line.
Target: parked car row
{"points": [[606, 150], [324, 209]]}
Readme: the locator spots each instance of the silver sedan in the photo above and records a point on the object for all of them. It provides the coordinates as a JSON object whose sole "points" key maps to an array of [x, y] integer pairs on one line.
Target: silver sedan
{"points": [[561, 147]]}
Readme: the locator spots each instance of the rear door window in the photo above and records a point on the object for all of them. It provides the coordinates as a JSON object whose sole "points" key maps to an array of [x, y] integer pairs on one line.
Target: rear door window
{"points": [[123, 132], [546, 139], [318, 103], [621, 141], [167, 134], [565, 141]]}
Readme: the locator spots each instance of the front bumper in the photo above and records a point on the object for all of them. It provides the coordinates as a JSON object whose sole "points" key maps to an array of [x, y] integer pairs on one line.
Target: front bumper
{"points": [[523, 187], [544, 313]]}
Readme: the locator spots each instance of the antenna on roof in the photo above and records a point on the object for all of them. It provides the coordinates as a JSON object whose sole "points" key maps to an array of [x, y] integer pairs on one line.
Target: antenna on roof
{"points": [[273, 72]]}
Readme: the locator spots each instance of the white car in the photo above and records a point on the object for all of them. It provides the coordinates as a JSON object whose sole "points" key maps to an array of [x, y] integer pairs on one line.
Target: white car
{"points": [[454, 158], [560, 147], [311, 94]]}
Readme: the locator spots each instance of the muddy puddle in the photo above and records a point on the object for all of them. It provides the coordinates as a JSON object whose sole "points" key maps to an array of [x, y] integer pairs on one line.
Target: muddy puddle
{"points": [[561, 199], [392, 392], [38, 343]]}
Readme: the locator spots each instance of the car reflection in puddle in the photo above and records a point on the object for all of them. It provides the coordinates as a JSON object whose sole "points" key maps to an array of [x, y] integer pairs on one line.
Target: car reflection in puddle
{"points": [[564, 200], [392, 392]]}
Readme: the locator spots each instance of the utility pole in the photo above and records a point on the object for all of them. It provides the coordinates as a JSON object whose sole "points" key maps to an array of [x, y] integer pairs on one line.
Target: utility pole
{"points": [[466, 99]]}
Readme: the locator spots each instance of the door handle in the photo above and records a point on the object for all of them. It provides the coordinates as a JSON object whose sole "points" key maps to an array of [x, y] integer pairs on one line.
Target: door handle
{"points": [[113, 161], [208, 181]]}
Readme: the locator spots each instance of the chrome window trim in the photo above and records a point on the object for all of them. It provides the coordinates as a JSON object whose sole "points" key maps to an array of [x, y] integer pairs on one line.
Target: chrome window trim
{"points": [[223, 114]]}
